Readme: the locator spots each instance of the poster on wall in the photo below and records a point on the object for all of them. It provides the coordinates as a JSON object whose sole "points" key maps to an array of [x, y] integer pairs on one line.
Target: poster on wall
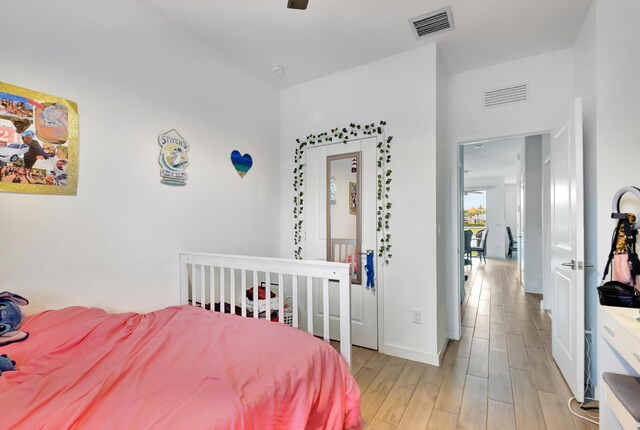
{"points": [[174, 158], [38, 142]]}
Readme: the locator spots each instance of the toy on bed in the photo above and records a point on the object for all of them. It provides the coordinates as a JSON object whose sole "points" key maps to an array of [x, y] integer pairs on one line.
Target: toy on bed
{"points": [[6, 364], [10, 319]]}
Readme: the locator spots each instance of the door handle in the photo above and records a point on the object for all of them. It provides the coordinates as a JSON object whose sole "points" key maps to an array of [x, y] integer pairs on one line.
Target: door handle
{"points": [[572, 264], [610, 331], [582, 266]]}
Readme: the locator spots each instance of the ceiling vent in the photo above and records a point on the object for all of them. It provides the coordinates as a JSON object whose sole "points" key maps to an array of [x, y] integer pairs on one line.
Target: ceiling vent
{"points": [[434, 22], [506, 95]]}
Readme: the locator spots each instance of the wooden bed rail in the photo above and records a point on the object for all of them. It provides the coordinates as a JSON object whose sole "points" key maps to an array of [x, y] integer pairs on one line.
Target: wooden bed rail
{"points": [[208, 280]]}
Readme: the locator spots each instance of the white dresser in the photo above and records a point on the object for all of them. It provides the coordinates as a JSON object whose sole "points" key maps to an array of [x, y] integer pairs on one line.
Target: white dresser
{"points": [[618, 352]]}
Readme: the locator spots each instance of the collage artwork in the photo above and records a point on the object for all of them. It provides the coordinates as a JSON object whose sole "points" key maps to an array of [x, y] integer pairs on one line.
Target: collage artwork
{"points": [[38, 142]]}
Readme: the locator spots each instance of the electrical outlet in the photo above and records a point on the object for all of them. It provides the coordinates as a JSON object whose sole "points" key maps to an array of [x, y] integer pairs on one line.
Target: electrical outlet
{"points": [[417, 317]]}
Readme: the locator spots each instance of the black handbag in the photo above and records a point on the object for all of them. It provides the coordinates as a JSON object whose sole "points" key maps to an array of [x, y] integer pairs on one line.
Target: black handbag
{"points": [[615, 293]]}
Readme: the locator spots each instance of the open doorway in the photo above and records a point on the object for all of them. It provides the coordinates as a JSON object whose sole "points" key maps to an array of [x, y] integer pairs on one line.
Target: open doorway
{"points": [[524, 292], [504, 191]]}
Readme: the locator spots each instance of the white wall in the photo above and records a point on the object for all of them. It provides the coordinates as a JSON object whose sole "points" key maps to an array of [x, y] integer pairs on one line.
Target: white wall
{"points": [[606, 71], [532, 211], [550, 79], [612, 130], [400, 90], [448, 326], [618, 110], [510, 209], [135, 76], [496, 222]]}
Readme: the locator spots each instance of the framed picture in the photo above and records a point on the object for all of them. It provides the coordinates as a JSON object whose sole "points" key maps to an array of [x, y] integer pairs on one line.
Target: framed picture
{"points": [[38, 142], [353, 198]]}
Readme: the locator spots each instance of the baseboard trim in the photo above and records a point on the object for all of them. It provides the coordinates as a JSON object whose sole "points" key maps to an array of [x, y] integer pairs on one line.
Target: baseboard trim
{"points": [[542, 306], [411, 354], [545, 310], [443, 348]]}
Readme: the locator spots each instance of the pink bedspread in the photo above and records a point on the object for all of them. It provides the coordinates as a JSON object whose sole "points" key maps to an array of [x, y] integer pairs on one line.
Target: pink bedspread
{"points": [[177, 368]]}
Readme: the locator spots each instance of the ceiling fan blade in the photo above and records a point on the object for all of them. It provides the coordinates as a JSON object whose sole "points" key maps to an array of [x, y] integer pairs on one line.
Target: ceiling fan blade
{"points": [[298, 4]]}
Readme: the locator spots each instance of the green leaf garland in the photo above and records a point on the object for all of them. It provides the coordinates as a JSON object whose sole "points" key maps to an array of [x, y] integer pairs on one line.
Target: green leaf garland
{"points": [[384, 180]]}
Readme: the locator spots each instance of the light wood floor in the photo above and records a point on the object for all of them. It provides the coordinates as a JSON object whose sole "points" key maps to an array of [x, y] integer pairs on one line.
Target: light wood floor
{"points": [[500, 375]]}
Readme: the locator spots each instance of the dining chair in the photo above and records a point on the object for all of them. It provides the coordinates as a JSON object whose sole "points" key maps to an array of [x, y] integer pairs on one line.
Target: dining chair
{"points": [[468, 234], [512, 243], [481, 249]]}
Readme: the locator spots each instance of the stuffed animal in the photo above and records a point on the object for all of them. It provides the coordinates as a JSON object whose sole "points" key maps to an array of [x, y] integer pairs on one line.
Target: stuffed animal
{"points": [[10, 319], [6, 363]]}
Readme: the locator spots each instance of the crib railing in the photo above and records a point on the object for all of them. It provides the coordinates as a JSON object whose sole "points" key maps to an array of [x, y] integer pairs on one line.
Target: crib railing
{"points": [[210, 279]]}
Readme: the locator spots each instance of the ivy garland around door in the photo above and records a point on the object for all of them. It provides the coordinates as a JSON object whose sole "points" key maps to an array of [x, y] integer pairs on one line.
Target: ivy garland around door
{"points": [[383, 175]]}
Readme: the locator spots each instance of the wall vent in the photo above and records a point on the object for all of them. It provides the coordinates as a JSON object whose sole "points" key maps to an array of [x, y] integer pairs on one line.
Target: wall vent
{"points": [[506, 95], [431, 23]]}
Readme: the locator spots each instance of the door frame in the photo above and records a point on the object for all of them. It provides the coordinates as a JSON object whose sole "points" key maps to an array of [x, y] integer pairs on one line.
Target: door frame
{"points": [[379, 260], [457, 189], [547, 282]]}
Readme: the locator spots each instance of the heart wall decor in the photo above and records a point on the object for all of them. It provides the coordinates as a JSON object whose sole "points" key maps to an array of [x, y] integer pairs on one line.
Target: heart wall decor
{"points": [[242, 163]]}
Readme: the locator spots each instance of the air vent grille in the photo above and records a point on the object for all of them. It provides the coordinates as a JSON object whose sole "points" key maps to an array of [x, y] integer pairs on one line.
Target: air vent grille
{"points": [[506, 95], [438, 21]]}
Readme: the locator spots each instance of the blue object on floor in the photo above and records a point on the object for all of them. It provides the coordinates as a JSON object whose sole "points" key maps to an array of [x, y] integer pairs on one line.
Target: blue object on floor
{"points": [[370, 272]]}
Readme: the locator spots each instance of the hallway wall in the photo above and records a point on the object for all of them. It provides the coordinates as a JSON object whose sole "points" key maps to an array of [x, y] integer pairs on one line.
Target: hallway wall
{"points": [[401, 90]]}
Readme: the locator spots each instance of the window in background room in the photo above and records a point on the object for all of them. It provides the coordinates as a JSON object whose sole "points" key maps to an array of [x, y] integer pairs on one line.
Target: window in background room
{"points": [[475, 210]]}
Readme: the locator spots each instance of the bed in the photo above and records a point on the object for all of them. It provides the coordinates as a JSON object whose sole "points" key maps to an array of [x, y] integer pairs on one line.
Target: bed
{"points": [[182, 367]]}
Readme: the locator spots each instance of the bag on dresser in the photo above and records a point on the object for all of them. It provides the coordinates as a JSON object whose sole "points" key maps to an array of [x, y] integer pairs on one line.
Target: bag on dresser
{"points": [[622, 289], [614, 293]]}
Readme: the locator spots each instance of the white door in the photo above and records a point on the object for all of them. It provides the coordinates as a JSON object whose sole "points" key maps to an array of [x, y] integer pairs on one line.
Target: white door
{"points": [[567, 252], [364, 303]]}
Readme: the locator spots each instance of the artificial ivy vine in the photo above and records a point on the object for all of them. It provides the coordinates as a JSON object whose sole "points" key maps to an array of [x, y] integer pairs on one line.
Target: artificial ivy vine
{"points": [[383, 176]]}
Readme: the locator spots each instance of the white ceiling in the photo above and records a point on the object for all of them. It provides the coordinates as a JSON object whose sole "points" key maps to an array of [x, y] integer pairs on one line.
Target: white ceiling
{"points": [[334, 35], [496, 159]]}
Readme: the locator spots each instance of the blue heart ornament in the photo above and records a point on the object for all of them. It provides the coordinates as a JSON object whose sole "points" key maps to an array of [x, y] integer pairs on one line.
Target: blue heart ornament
{"points": [[242, 163]]}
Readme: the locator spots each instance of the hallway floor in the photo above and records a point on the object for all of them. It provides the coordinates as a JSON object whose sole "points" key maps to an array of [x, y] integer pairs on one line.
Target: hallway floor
{"points": [[500, 375]]}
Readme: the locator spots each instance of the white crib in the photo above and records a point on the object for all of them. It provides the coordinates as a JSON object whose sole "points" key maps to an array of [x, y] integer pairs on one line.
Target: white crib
{"points": [[208, 279], [346, 251]]}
